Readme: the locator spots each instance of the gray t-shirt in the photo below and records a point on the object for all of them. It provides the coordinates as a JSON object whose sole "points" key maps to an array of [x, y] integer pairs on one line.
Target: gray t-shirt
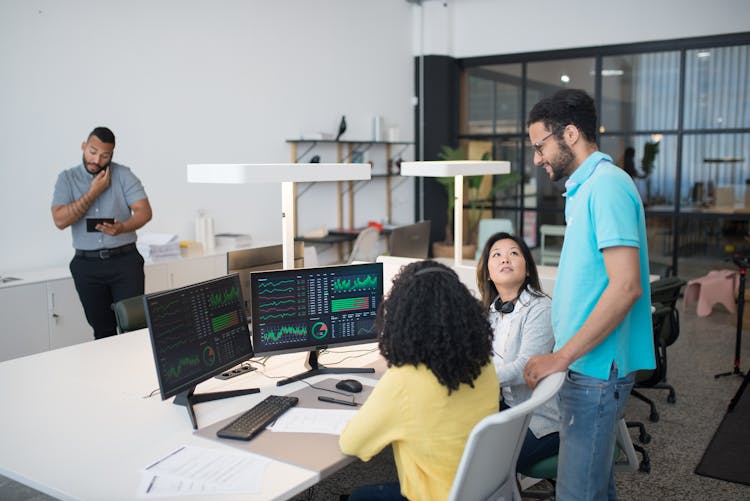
{"points": [[124, 189]]}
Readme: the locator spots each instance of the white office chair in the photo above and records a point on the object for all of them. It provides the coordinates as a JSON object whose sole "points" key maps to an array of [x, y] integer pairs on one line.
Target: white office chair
{"points": [[365, 246], [487, 228], [488, 465]]}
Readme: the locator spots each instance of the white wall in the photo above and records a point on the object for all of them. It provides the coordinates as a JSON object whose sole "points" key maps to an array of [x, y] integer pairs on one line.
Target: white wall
{"points": [[184, 81], [489, 27], [189, 81]]}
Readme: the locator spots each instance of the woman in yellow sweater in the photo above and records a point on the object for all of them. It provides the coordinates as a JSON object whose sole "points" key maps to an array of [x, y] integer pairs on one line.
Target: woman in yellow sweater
{"points": [[440, 382]]}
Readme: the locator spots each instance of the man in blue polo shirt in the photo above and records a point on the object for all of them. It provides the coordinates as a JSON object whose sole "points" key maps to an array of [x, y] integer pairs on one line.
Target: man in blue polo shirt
{"points": [[601, 312], [107, 266]]}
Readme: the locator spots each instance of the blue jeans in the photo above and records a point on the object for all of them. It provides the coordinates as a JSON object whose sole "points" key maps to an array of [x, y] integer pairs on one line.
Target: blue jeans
{"points": [[589, 411]]}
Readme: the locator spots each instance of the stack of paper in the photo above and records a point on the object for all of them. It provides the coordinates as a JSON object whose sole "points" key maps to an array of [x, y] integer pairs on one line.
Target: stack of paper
{"points": [[198, 470], [158, 245], [233, 240]]}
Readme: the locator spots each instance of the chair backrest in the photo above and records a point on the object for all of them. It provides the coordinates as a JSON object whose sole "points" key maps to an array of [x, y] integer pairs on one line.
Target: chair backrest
{"points": [[659, 317], [550, 254], [487, 228], [130, 314], [661, 269], [411, 240], [488, 465], [365, 246], [666, 291]]}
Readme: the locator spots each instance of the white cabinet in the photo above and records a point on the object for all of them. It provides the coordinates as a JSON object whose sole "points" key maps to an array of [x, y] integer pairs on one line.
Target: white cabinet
{"points": [[184, 271], [23, 310], [67, 321], [45, 312], [157, 277]]}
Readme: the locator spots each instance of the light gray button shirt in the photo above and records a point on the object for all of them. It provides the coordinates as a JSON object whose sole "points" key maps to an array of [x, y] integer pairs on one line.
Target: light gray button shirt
{"points": [[124, 189]]}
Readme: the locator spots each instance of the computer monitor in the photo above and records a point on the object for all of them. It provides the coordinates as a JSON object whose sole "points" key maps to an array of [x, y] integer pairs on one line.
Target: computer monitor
{"points": [[412, 240], [245, 261], [315, 308], [197, 332]]}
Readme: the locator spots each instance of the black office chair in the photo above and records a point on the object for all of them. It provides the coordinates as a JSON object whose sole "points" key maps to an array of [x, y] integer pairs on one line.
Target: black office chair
{"points": [[664, 292], [130, 314], [652, 378], [661, 269]]}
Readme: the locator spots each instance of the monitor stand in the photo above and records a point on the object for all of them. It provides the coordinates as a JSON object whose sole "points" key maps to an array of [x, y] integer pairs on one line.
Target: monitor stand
{"points": [[188, 399], [315, 369]]}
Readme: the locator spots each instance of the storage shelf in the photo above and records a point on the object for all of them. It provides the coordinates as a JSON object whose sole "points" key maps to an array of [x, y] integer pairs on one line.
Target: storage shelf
{"points": [[351, 147]]}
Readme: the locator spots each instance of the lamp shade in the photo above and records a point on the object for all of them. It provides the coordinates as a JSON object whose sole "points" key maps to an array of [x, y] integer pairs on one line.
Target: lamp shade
{"points": [[440, 168], [276, 173]]}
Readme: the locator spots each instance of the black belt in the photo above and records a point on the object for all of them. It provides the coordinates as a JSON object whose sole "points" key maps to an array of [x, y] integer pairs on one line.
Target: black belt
{"points": [[106, 253]]}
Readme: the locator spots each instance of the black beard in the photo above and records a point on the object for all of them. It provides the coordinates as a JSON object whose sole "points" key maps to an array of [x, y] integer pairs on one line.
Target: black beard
{"points": [[101, 168], [561, 164]]}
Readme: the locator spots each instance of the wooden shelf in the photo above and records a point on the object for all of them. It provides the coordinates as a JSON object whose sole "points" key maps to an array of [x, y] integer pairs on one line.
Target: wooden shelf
{"points": [[351, 147]]}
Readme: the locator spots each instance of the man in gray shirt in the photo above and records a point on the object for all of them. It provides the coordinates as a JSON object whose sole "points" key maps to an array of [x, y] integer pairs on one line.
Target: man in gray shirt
{"points": [[107, 266]]}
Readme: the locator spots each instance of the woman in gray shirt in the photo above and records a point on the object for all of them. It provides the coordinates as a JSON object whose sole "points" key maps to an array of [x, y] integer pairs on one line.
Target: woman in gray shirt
{"points": [[519, 313]]}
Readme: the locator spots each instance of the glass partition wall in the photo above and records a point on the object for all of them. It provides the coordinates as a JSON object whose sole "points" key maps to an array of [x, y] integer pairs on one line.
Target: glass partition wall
{"points": [[675, 114]]}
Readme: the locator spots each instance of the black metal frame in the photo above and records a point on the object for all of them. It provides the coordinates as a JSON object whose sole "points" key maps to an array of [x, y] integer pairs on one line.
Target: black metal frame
{"points": [[450, 85]]}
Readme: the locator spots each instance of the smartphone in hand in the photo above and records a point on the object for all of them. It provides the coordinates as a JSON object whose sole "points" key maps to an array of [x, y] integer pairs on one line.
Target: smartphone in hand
{"points": [[91, 222]]}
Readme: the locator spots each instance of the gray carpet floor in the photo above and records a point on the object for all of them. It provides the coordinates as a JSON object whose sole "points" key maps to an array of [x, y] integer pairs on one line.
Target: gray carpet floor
{"points": [[678, 439]]}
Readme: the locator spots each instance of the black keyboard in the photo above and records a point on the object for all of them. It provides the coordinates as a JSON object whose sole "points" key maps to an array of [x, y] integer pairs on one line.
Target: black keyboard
{"points": [[255, 419]]}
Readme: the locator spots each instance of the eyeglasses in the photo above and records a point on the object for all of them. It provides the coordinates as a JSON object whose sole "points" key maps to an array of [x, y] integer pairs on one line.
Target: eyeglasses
{"points": [[538, 145]]}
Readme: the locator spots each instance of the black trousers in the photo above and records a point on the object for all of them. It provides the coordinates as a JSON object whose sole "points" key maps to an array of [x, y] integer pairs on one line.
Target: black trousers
{"points": [[101, 282]]}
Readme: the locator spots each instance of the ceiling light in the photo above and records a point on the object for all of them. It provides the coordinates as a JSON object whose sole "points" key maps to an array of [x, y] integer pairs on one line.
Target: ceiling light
{"points": [[564, 78]]}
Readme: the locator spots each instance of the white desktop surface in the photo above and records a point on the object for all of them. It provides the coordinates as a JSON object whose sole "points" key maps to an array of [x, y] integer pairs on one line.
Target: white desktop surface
{"points": [[75, 423]]}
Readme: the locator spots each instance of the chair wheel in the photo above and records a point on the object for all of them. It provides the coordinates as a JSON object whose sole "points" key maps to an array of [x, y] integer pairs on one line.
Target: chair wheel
{"points": [[645, 467], [644, 438], [671, 398], [654, 417]]}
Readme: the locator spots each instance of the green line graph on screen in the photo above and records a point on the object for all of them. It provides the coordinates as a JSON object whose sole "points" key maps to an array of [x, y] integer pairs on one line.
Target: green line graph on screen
{"points": [[165, 312], [355, 283], [225, 297], [283, 333], [270, 287], [183, 365]]}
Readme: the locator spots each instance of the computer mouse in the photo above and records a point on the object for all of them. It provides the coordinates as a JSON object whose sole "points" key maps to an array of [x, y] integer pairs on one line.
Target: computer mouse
{"points": [[350, 385]]}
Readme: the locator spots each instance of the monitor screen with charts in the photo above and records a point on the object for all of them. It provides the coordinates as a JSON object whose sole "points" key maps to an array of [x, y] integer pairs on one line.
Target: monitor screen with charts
{"points": [[314, 308], [197, 332], [412, 240], [245, 261]]}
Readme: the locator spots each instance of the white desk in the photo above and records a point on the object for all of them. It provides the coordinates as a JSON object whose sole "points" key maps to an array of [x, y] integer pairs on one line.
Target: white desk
{"points": [[75, 423]]}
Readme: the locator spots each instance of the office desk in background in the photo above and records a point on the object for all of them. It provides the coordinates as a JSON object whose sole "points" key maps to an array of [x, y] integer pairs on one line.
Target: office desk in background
{"points": [[75, 423]]}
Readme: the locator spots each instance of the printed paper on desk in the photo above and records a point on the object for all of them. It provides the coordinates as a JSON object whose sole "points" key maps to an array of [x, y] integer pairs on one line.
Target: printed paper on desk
{"points": [[302, 420], [192, 469]]}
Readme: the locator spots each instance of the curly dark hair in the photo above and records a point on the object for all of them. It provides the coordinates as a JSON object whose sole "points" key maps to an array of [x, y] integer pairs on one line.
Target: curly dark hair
{"points": [[487, 287], [431, 318], [566, 106]]}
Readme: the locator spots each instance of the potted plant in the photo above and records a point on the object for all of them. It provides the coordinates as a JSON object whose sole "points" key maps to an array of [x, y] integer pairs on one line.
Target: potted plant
{"points": [[650, 149], [477, 189]]}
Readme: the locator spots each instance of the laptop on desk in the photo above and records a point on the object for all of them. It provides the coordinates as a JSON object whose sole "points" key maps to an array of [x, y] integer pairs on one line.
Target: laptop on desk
{"points": [[412, 240]]}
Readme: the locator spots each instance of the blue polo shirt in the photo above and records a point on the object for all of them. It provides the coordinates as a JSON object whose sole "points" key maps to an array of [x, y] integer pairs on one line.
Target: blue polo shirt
{"points": [[124, 189], [602, 209]]}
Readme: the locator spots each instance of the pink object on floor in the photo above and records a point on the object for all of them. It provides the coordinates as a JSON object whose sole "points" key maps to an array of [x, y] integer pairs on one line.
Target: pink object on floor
{"points": [[719, 286]]}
